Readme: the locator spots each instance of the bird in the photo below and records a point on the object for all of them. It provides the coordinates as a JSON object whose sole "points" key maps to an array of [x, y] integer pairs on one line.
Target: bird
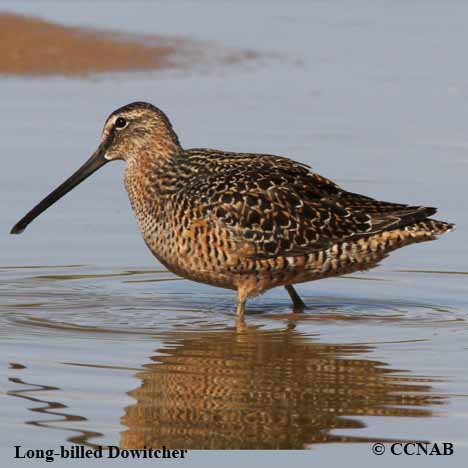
{"points": [[243, 221]]}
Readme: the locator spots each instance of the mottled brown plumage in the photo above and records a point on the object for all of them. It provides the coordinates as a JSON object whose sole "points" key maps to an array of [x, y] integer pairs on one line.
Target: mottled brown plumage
{"points": [[243, 221]]}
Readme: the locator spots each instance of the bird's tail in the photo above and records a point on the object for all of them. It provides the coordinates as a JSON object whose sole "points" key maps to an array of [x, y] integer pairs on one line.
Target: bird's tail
{"points": [[430, 227]]}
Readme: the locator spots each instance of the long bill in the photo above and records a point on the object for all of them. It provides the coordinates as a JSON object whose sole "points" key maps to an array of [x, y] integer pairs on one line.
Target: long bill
{"points": [[89, 167]]}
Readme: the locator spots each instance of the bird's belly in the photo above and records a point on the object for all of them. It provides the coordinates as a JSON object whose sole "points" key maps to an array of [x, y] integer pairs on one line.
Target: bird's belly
{"points": [[194, 254], [205, 253]]}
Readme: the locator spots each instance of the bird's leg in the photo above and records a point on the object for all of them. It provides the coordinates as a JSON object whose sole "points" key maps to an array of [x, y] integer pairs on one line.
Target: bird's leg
{"points": [[241, 300], [298, 303]]}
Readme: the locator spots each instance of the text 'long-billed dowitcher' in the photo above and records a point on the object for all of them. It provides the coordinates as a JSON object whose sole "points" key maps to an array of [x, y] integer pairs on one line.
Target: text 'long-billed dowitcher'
{"points": [[248, 222]]}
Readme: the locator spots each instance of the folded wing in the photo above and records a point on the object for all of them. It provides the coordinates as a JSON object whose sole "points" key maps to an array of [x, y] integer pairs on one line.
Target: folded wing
{"points": [[282, 208]]}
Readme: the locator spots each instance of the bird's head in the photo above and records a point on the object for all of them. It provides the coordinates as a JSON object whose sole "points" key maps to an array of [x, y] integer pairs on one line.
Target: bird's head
{"points": [[134, 129], [129, 133]]}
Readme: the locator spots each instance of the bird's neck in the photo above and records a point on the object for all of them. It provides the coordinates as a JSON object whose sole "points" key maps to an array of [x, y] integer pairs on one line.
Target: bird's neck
{"points": [[150, 179]]}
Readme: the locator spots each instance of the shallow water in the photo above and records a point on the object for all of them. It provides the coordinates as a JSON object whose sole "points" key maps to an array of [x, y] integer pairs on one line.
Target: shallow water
{"points": [[100, 345]]}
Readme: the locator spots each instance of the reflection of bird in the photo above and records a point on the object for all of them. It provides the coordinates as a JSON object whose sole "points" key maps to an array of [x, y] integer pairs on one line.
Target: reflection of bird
{"points": [[264, 390], [243, 221]]}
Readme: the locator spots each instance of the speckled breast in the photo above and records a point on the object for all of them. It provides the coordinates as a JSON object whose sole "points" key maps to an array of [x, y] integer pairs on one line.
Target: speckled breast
{"points": [[188, 246]]}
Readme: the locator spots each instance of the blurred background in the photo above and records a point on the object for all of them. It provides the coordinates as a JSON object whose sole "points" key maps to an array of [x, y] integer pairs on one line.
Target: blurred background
{"points": [[373, 95]]}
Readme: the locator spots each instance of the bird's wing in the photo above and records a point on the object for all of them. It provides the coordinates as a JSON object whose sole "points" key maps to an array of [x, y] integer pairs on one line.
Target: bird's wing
{"points": [[281, 207]]}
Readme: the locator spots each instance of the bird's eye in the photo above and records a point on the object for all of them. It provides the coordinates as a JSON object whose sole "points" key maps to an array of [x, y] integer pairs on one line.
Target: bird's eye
{"points": [[121, 123]]}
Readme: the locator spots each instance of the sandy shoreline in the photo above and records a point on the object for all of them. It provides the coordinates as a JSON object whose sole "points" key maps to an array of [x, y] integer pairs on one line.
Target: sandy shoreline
{"points": [[33, 46]]}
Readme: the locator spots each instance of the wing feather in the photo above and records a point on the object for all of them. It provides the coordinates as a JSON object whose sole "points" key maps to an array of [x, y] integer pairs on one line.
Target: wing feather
{"points": [[283, 208]]}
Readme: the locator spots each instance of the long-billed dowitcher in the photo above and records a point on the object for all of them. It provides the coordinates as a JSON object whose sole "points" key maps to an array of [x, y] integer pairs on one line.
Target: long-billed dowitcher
{"points": [[248, 222]]}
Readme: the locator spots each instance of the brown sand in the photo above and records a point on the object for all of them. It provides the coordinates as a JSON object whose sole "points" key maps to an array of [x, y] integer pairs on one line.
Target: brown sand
{"points": [[31, 46]]}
